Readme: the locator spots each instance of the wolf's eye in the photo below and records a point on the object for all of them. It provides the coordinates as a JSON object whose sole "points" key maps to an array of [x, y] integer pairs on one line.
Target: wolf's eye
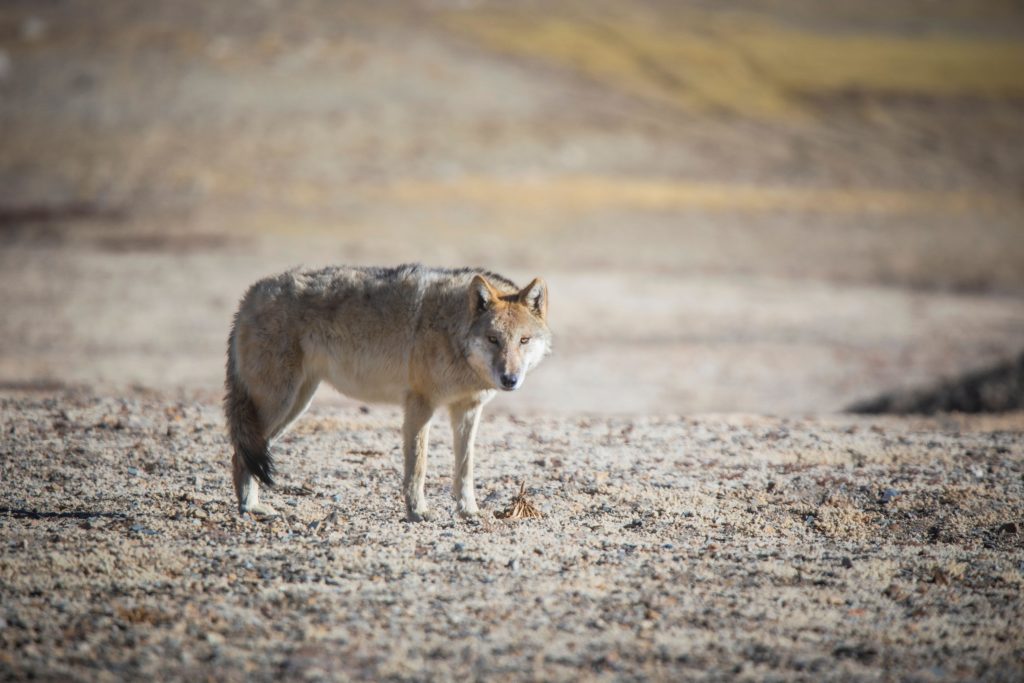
{"points": [[493, 340], [524, 340]]}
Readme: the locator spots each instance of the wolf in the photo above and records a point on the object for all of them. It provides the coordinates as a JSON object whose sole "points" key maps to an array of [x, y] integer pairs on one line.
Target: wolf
{"points": [[421, 337]]}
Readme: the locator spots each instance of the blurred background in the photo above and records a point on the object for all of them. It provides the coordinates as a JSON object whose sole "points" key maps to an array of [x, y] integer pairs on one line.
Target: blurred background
{"points": [[778, 206]]}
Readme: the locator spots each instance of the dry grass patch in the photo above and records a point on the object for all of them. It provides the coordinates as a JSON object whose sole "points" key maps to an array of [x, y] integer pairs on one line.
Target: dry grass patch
{"points": [[593, 193], [743, 63], [520, 507]]}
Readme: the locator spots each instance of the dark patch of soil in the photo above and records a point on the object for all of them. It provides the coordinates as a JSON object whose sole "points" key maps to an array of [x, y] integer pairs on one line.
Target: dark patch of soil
{"points": [[998, 388]]}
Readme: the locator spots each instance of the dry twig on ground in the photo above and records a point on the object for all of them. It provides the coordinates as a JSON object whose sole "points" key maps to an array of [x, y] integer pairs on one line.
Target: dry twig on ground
{"points": [[520, 507]]}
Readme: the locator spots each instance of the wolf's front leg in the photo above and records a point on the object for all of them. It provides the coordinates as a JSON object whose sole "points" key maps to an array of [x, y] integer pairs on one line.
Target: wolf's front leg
{"points": [[415, 432], [465, 417]]}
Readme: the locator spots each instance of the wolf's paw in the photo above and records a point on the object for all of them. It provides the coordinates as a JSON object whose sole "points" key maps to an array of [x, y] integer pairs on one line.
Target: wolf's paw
{"points": [[468, 511], [423, 515], [260, 511]]}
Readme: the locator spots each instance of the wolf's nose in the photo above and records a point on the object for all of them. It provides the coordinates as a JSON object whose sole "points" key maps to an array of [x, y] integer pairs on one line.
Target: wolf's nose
{"points": [[509, 381]]}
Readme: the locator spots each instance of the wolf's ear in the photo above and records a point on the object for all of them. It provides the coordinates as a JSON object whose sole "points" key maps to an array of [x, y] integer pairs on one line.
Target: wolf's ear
{"points": [[481, 295], [535, 297]]}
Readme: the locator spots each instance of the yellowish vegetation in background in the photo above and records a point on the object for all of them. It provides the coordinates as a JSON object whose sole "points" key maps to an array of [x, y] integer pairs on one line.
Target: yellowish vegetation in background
{"points": [[702, 61], [589, 193]]}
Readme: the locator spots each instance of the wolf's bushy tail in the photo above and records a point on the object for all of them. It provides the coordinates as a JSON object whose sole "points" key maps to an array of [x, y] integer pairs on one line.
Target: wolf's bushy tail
{"points": [[244, 426]]}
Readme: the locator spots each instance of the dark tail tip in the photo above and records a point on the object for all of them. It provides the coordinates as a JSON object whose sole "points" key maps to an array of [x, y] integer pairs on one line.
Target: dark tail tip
{"points": [[259, 463], [245, 429]]}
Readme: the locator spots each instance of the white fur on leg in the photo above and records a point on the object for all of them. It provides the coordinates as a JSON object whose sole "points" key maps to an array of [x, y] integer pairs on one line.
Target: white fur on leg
{"points": [[250, 499]]}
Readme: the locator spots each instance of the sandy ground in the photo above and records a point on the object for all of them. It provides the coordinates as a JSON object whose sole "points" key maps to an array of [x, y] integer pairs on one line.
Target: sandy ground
{"points": [[724, 281], [86, 315], [718, 547]]}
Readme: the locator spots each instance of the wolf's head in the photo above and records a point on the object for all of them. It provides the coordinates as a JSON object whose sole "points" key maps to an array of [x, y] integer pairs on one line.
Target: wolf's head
{"points": [[509, 335]]}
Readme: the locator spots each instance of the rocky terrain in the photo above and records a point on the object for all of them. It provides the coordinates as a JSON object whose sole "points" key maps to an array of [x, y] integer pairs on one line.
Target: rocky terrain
{"points": [[715, 547]]}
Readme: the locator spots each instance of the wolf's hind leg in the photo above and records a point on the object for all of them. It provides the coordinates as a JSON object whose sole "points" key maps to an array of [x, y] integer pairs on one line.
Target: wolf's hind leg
{"points": [[276, 415], [250, 458], [293, 408], [247, 489]]}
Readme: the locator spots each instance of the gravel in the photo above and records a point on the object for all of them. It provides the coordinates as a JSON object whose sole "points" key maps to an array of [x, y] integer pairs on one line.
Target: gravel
{"points": [[708, 547]]}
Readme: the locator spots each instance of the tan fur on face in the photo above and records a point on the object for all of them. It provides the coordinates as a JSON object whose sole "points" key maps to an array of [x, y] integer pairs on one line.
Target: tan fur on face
{"points": [[516, 321]]}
